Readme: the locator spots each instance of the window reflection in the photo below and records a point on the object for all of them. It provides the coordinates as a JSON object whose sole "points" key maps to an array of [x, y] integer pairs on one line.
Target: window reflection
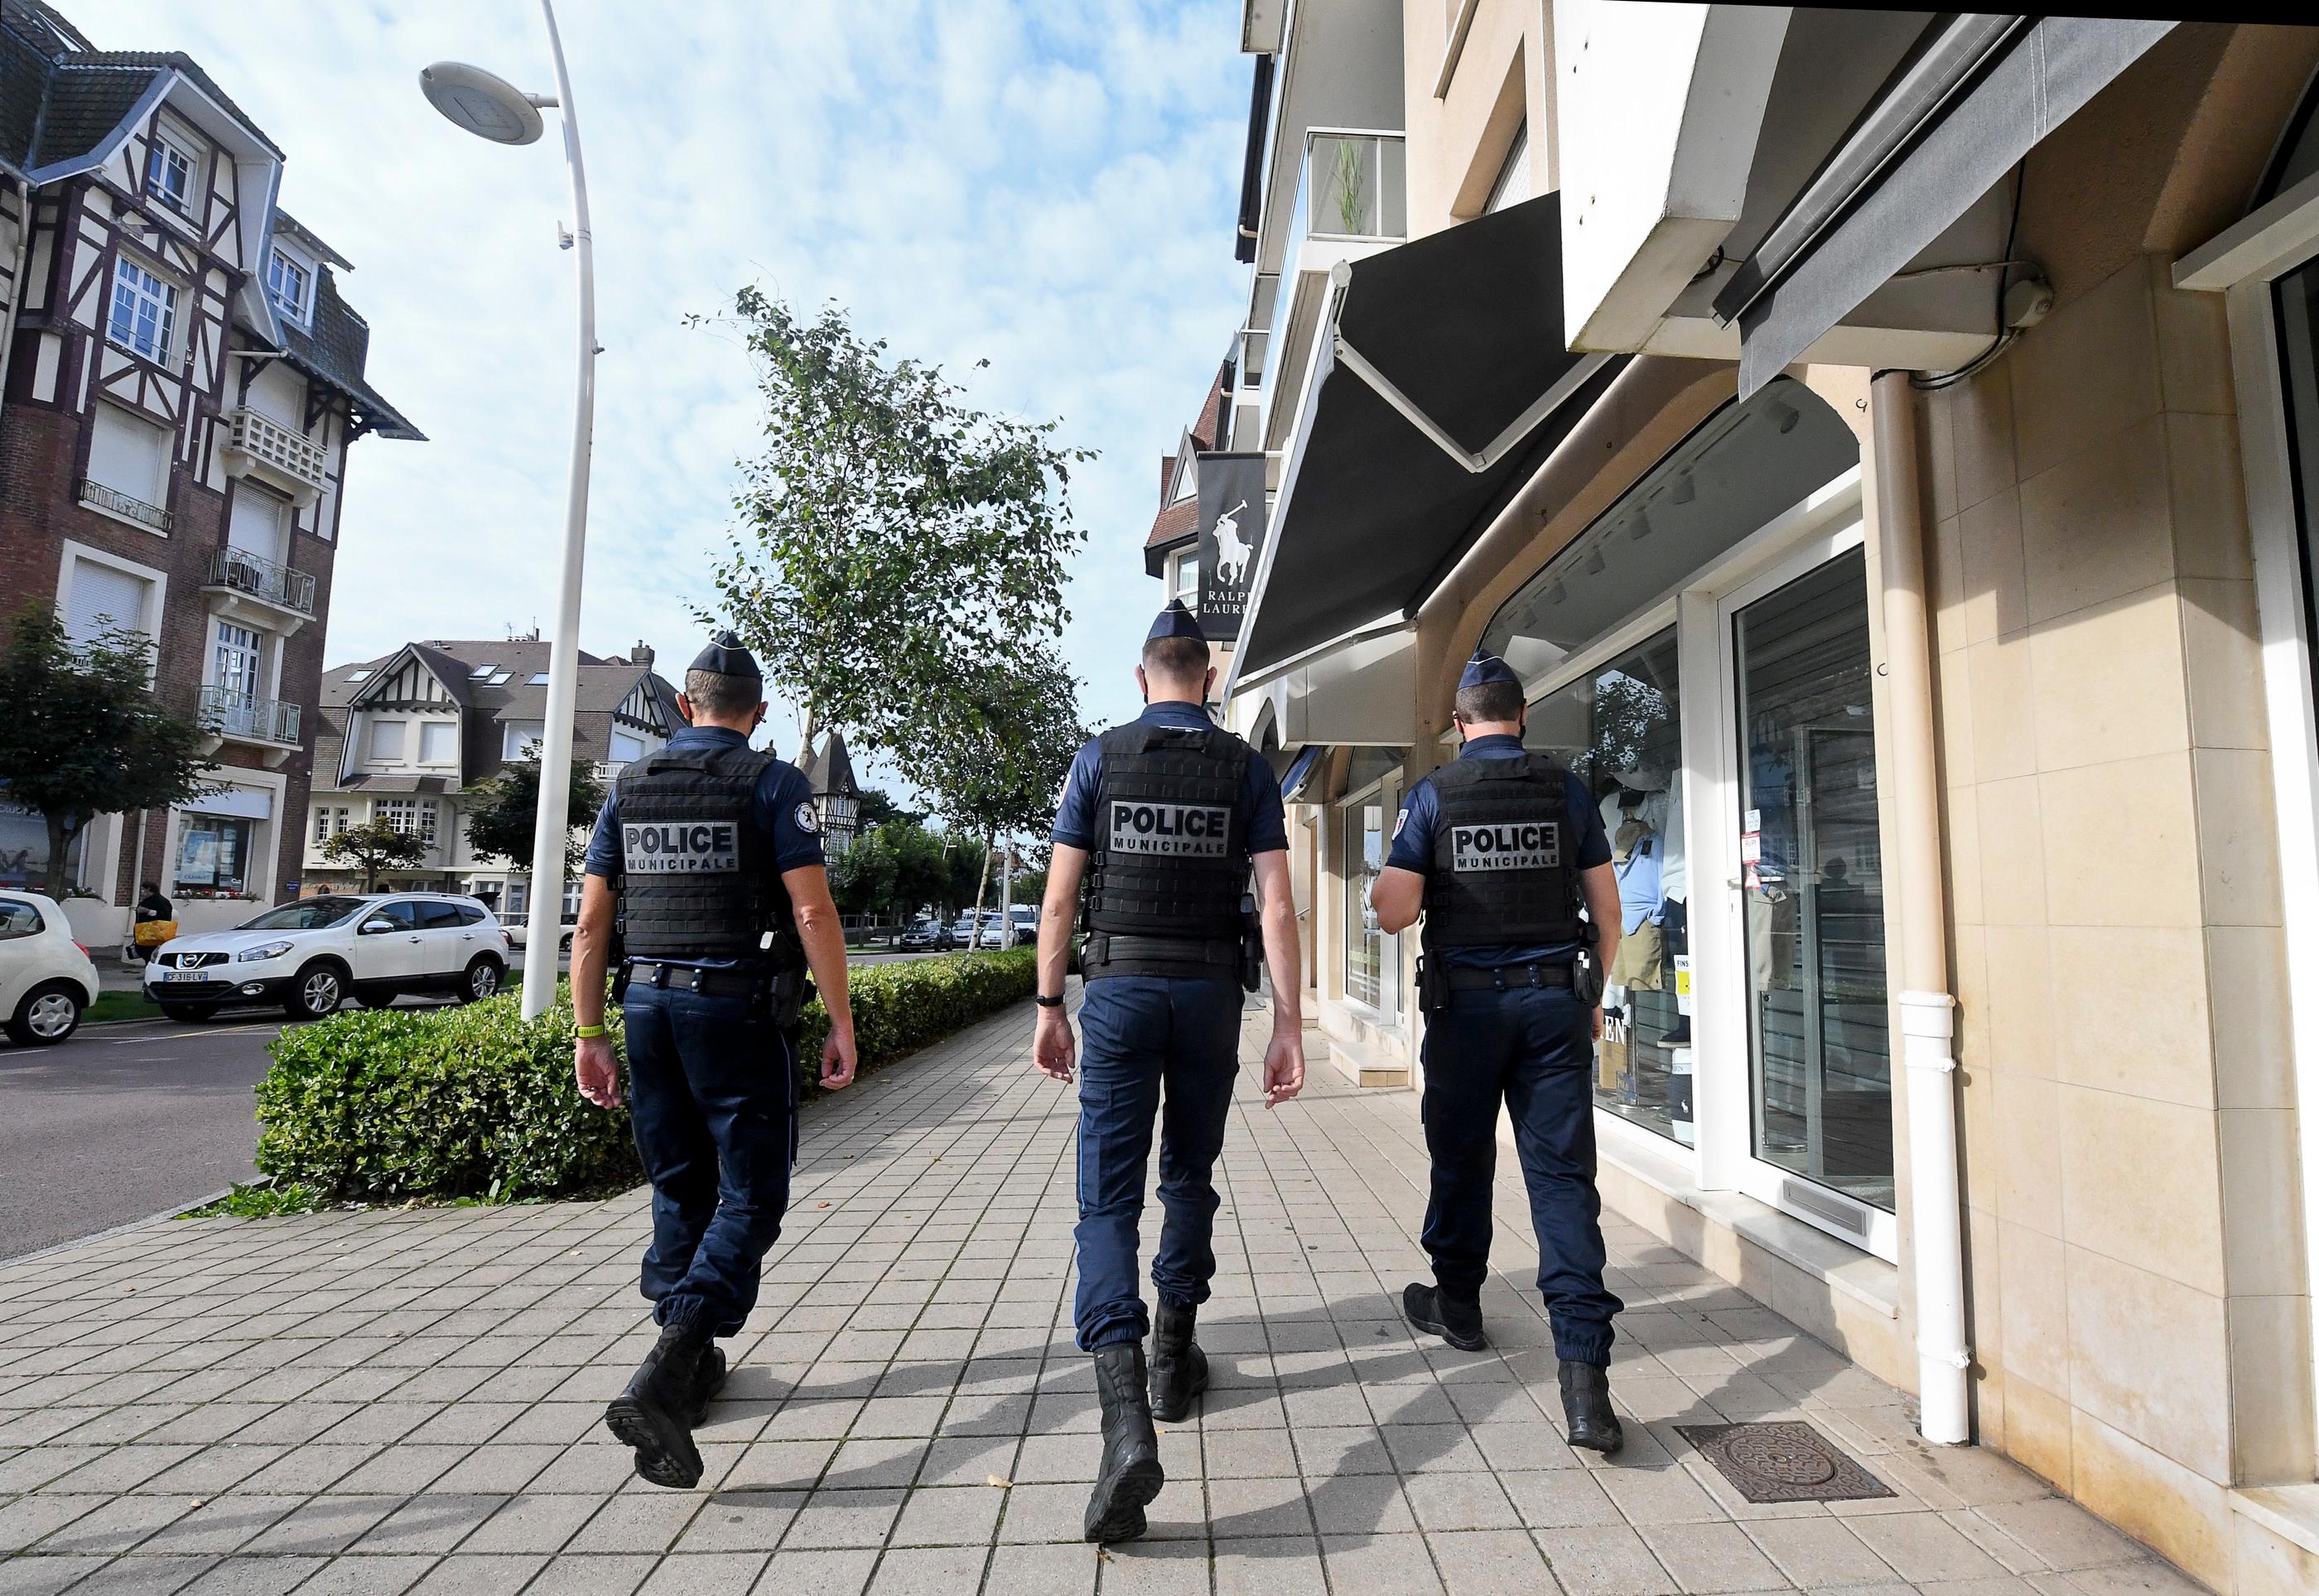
{"points": [[1618, 728]]}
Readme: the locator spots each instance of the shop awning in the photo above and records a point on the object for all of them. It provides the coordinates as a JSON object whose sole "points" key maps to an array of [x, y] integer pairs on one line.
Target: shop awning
{"points": [[1440, 381], [1300, 772], [1979, 94]]}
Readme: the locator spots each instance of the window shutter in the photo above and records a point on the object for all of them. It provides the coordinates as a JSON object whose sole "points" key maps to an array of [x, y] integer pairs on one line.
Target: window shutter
{"points": [[126, 454], [103, 598], [257, 524]]}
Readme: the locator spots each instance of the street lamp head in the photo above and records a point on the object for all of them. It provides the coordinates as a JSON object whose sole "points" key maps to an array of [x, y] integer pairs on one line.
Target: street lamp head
{"points": [[483, 104]]}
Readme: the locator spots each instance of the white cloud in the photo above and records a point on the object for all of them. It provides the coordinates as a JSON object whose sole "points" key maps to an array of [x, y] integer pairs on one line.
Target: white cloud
{"points": [[1048, 186]]}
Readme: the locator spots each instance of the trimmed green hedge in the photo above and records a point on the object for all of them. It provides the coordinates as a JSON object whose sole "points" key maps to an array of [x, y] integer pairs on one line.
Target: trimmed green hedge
{"points": [[901, 1006], [390, 1104]]}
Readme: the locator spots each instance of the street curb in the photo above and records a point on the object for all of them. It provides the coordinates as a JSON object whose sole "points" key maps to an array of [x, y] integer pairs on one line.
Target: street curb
{"points": [[171, 1212]]}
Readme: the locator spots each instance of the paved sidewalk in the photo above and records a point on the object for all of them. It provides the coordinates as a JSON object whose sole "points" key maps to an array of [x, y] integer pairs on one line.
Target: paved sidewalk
{"points": [[384, 1401]]}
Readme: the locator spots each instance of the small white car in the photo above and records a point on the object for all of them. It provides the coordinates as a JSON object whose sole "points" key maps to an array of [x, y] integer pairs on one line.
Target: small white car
{"points": [[46, 977], [311, 955]]}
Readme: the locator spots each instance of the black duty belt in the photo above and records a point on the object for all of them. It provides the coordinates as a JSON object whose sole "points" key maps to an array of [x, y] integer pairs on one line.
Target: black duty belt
{"points": [[1509, 978], [1190, 953], [692, 978]]}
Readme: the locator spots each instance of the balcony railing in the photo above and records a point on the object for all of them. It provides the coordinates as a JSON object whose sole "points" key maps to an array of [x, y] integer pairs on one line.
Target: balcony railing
{"points": [[248, 718], [280, 451], [261, 578], [121, 504]]}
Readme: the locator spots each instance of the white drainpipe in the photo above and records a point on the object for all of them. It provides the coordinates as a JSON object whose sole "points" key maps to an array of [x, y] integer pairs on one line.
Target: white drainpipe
{"points": [[1927, 1010]]}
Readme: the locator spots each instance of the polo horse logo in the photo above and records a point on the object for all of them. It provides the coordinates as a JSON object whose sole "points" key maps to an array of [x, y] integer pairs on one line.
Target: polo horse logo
{"points": [[1231, 549]]}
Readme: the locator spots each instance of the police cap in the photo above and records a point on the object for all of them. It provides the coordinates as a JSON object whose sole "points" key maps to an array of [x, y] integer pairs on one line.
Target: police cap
{"points": [[1176, 621], [725, 656], [1485, 668]]}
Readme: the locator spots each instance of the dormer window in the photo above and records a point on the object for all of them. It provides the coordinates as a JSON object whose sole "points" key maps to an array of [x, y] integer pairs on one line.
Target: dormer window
{"points": [[169, 176], [290, 282]]}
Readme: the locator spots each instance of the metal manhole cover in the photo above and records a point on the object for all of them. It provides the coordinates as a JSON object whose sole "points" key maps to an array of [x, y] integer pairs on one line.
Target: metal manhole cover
{"points": [[1785, 1462]]}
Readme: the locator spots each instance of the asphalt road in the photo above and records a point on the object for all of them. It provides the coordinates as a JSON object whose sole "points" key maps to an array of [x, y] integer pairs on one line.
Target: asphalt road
{"points": [[124, 1120]]}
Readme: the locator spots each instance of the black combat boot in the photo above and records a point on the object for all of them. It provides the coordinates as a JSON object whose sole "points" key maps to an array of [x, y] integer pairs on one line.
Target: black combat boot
{"points": [[708, 1380], [1456, 1323], [1130, 1476], [1586, 1407], [1179, 1369], [656, 1413]]}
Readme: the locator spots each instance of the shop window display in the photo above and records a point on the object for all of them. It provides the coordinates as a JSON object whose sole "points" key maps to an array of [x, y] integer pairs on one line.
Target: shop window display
{"points": [[1619, 727], [212, 855]]}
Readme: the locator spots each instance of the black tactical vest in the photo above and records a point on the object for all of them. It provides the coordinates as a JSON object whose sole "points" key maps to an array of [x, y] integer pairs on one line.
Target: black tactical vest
{"points": [[1504, 868], [1171, 861], [697, 877]]}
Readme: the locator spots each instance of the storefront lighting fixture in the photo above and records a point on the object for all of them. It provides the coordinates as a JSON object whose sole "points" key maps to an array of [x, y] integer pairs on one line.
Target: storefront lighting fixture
{"points": [[1785, 417], [1596, 563], [1557, 594], [1642, 525], [1685, 490]]}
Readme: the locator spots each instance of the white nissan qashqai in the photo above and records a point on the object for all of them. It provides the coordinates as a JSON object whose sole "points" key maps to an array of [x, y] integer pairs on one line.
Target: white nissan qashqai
{"points": [[310, 956]]}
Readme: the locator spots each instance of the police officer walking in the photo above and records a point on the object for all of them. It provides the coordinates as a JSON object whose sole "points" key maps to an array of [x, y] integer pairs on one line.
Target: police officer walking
{"points": [[1499, 849], [1163, 817], [708, 853]]}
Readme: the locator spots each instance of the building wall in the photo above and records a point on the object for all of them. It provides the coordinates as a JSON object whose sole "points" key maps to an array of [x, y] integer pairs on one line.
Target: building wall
{"points": [[2138, 1302], [1502, 75]]}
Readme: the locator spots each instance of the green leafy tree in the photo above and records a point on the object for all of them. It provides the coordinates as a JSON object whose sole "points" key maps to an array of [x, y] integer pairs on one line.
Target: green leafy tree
{"points": [[922, 870], [502, 826], [83, 734], [861, 879], [889, 532], [965, 862], [878, 809], [1007, 746], [373, 846]]}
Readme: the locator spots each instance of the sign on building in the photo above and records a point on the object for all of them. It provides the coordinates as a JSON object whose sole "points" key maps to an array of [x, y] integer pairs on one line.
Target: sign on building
{"points": [[1231, 538]]}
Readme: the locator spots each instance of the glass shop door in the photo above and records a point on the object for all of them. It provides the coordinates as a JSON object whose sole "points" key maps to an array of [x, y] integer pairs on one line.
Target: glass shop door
{"points": [[1809, 899]]}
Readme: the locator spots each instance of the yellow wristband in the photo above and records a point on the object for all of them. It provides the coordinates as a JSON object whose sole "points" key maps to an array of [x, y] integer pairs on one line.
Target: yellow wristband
{"points": [[589, 1031]]}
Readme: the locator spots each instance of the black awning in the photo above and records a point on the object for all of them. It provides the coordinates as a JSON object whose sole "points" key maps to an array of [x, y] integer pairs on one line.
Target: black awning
{"points": [[1962, 148], [1373, 513]]}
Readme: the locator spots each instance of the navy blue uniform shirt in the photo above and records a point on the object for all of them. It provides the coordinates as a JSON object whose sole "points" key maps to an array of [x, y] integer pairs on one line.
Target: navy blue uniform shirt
{"points": [[783, 810], [1257, 815], [1412, 850]]}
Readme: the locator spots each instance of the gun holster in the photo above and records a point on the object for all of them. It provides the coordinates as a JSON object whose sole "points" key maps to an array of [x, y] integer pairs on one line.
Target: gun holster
{"points": [[1586, 973], [785, 995], [1432, 984], [1251, 943]]}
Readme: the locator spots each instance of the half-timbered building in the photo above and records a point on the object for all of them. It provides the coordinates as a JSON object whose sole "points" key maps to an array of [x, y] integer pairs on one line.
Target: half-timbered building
{"points": [[414, 736], [182, 380]]}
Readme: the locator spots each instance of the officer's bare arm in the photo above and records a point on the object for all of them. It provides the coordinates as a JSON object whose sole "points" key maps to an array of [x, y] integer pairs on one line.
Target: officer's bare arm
{"points": [[1397, 896], [825, 946], [1599, 884], [1276, 906], [591, 949], [1058, 914]]}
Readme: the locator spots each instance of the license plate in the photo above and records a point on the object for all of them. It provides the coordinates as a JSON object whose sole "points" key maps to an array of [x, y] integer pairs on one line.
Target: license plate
{"points": [[185, 975]]}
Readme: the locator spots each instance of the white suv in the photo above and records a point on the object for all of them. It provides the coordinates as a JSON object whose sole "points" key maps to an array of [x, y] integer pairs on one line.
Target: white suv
{"points": [[46, 977], [311, 955]]}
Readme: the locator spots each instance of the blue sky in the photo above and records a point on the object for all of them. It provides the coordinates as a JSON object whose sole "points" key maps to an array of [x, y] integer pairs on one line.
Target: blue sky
{"points": [[1050, 186]]}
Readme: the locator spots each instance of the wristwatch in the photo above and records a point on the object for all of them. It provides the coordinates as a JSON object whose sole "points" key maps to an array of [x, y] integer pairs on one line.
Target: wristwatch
{"points": [[1045, 1001]]}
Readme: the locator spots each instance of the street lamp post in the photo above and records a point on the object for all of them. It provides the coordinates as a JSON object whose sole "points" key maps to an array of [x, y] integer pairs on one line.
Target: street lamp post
{"points": [[491, 108]]}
